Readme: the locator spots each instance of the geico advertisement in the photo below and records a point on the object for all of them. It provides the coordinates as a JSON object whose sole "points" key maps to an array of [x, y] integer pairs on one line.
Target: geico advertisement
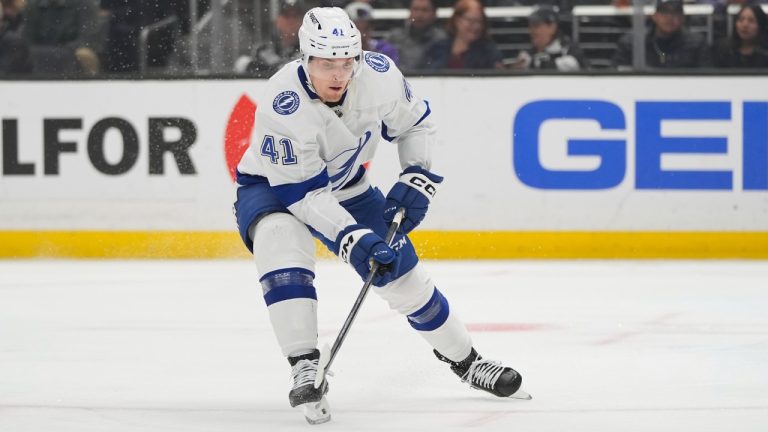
{"points": [[518, 153]]}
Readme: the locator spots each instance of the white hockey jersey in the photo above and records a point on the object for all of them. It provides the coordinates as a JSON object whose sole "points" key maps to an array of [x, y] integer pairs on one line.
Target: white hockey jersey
{"points": [[315, 156]]}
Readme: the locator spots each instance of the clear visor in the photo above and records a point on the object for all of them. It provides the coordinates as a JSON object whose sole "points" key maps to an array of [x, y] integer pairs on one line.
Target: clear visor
{"points": [[332, 69]]}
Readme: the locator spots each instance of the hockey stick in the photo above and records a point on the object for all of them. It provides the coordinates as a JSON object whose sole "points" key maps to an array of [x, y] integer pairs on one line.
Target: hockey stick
{"points": [[327, 355]]}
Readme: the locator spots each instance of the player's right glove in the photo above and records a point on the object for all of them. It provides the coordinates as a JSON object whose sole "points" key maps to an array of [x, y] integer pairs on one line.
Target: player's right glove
{"points": [[358, 245], [413, 191]]}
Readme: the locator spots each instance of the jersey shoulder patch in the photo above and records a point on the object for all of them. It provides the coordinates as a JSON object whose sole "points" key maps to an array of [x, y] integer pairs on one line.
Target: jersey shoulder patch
{"points": [[377, 62], [286, 102]]}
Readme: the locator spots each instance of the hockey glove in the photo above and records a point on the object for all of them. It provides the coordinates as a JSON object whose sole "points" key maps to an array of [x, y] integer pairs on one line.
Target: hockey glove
{"points": [[414, 191], [359, 246]]}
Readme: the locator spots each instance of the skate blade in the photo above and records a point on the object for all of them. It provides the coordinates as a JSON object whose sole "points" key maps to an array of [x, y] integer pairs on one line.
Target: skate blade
{"points": [[316, 412], [520, 395]]}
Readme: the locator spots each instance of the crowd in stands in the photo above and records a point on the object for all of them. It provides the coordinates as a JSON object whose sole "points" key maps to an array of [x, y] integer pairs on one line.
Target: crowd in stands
{"points": [[102, 37]]}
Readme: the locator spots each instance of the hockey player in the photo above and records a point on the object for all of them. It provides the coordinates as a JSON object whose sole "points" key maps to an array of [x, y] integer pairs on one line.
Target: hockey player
{"points": [[317, 126]]}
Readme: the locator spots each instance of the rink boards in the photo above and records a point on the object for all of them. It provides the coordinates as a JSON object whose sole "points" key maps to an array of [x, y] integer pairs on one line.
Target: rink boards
{"points": [[645, 167]]}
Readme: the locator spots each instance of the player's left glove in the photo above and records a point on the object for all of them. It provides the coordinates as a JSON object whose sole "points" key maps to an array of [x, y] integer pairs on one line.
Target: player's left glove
{"points": [[413, 191], [359, 246]]}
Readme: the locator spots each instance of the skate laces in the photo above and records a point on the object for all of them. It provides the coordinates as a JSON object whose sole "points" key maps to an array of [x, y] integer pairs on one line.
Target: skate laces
{"points": [[304, 372], [483, 373]]}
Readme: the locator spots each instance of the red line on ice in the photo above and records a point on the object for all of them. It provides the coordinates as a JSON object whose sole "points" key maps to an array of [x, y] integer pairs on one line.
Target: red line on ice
{"points": [[506, 327]]}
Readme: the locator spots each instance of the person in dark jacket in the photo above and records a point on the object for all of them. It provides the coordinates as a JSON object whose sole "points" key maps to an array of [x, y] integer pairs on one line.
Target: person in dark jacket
{"points": [[468, 45], [64, 35], [127, 18], [12, 15], [283, 46], [361, 14], [747, 47], [14, 52], [550, 49], [418, 33], [668, 44]]}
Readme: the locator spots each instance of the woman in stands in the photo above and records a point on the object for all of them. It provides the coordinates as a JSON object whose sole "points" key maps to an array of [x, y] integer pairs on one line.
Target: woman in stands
{"points": [[468, 45], [747, 47]]}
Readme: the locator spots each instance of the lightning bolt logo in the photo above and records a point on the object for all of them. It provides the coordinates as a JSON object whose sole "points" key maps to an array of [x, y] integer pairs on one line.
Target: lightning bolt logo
{"points": [[286, 102]]}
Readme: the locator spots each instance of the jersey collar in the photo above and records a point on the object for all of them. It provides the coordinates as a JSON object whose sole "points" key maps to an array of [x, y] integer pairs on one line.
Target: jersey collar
{"points": [[304, 80]]}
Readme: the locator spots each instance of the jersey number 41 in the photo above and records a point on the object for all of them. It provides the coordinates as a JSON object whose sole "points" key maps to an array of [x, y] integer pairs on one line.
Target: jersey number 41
{"points": [[268, 149]]}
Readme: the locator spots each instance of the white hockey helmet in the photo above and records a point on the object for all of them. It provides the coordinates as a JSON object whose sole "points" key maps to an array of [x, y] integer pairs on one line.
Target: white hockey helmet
{"points": [[327, 32]]}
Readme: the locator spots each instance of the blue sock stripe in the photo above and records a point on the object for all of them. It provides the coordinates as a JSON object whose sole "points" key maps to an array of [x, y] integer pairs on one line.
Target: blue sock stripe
{"points": [[288, 292], [432, 315], [288, 283], [274, 273]]}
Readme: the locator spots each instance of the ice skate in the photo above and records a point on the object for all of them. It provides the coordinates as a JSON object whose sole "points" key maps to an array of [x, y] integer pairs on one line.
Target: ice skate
{"points": [[488, 375], [304, 396]]}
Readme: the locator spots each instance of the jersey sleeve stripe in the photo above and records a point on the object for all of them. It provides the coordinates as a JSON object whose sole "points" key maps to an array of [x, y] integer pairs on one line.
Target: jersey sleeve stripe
{"points": [[292, 193], [385, 129], [248, 179], [360, 173], [426, 114], [385, 134]]}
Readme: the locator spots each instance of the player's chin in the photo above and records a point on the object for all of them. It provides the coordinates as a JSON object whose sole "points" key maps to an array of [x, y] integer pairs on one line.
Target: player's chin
{"points": [[333, 94]]}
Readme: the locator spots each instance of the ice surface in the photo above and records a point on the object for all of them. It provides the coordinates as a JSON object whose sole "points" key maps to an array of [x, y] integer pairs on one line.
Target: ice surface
{"points": [[112, 346]]}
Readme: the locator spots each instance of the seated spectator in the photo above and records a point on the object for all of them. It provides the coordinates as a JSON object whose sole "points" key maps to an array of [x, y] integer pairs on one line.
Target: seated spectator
{"points": [[551, 49], [14, 52], [63, 35], [468, 45], [362, 15], [12, 14], [565, 5], [419, 32], [721, 6], [747, 47], [125, 22], [282, 47], [668, 44]]}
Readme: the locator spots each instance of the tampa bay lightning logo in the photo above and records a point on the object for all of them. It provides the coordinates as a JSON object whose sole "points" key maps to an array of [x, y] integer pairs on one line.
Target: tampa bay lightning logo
{"points": [[286, 102], [378, 62]]}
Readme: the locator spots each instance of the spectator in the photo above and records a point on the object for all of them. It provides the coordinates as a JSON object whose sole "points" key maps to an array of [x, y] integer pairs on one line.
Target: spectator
{"points": [[14, 52], [550, 49], [565, 5], [63, 35], [282, 47], [362, 15], [747, 47], [721, 6], [126, 20], [11, 17], [231, 46], [468, 45], [419, 32], [668, 44]]}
